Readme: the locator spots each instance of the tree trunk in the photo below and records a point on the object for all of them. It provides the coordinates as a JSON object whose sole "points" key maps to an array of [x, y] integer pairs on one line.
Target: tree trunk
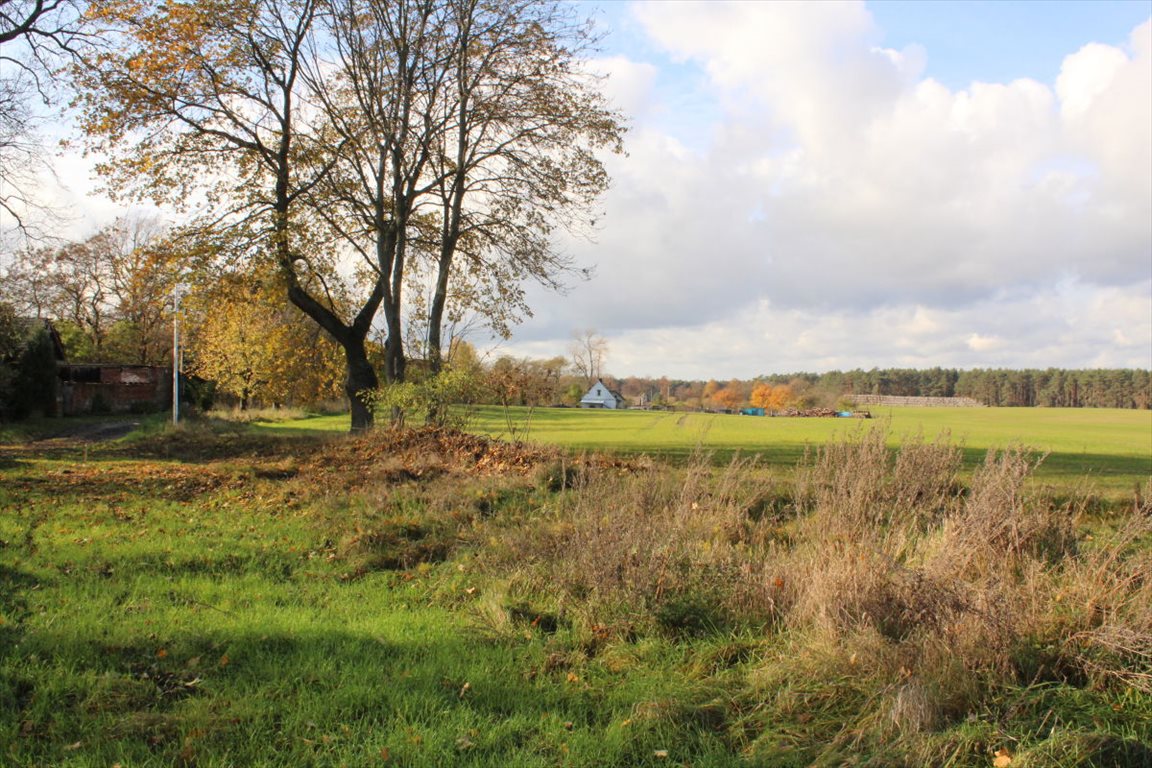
{"points": [[360, 381], [361, 378], [436, 315]]}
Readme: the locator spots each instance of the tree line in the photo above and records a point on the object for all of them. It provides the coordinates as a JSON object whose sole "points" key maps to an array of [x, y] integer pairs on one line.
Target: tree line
{"points": [[564, 380], [560, 381], [1000, 387]]}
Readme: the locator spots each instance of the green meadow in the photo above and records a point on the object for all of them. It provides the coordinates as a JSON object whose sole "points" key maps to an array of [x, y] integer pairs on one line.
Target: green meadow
{"points": [[1107, 450]]}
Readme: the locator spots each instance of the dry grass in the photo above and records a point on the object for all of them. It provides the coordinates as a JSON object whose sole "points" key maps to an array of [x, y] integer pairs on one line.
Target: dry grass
{"points": [[905, 601]]}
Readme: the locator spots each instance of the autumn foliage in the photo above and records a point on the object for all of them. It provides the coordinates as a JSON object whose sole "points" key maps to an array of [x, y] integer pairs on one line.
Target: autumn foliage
{"points": [[772, 397], [242, 336]]}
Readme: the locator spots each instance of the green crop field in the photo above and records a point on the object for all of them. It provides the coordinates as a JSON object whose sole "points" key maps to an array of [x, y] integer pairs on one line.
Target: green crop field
{"points": [[1109, 449]]}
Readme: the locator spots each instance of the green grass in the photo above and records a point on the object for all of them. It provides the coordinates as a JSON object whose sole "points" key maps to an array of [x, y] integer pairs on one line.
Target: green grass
{"points": [[159, 614], [1110, 449]]}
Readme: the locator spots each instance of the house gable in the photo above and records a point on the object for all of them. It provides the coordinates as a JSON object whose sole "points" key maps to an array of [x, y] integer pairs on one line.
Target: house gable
{"points": [[600, 396]]}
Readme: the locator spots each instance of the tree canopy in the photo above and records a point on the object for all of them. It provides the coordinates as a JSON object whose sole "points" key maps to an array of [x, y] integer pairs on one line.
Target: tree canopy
{"points": [[359, 146]]}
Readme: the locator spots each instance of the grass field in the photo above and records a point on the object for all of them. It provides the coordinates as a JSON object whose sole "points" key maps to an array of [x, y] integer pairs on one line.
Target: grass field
{"points": [[1108, 450], [224, 595]]}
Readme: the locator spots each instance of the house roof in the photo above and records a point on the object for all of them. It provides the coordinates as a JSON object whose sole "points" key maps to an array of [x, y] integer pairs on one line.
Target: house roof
{"points": [[589, 397]]}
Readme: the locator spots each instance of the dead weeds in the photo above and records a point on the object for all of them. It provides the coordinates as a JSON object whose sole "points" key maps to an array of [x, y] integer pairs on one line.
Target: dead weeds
{"points": [[401, 455]]}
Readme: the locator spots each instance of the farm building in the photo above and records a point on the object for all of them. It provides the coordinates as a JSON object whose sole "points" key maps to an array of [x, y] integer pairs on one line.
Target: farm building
{"points": [[95, 388], [600, 396], [37, 378]]}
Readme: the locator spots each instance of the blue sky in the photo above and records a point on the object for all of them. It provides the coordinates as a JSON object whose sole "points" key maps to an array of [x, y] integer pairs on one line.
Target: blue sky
{"points": [[999, 40]]}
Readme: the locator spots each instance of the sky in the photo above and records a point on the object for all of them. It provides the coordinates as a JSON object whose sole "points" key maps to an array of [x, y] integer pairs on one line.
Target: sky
{"points": [[812, 186], [818, 186]]}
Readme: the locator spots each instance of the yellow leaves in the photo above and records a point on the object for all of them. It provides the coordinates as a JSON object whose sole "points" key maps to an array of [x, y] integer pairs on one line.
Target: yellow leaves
{"points": [[1002, 759], [772, 397], [242, 335]]}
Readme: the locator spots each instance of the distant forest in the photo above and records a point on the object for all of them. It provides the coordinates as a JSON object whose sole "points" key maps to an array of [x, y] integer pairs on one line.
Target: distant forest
{"points": [[1052, 387]]}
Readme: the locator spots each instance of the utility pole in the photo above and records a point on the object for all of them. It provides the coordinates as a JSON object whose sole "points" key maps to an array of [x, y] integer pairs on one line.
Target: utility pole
{"points": [[176, 354]]}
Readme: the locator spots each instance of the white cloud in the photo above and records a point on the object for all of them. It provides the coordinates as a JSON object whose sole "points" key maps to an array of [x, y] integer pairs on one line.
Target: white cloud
{"points": [[978, 343], [842, 210], [628, 84]]}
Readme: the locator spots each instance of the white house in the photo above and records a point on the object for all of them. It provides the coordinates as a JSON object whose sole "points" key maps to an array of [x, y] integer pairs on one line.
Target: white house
{"points": [[599, 396]]}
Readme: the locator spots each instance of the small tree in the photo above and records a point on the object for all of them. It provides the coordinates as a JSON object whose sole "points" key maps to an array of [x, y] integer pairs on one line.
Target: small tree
{"points": [[588, 351], [243, 336], [29, 385], [772, 397], [730, 396]]}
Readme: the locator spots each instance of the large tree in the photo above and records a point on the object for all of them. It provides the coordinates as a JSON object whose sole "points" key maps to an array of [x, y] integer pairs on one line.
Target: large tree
{"points": [[467, 133], [205, 101], [385, 131], [519, 153]]}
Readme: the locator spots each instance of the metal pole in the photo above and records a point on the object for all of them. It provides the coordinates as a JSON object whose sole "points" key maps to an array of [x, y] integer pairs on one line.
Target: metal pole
{"points": [[176, 356]]}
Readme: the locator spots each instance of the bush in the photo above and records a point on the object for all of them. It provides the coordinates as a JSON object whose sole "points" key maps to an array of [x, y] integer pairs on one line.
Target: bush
{"points": [[429, 400], [30, 384]]}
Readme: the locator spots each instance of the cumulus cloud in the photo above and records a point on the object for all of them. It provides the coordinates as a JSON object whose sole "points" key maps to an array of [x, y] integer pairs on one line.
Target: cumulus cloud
{"points": [[850, 203]]}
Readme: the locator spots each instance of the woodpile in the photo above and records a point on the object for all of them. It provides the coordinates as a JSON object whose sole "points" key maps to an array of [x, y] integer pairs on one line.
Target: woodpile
{"points": [[814, 413]]}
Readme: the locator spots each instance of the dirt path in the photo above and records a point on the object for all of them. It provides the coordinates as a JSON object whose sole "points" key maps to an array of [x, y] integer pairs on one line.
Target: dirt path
{"points": [[84, 433]]}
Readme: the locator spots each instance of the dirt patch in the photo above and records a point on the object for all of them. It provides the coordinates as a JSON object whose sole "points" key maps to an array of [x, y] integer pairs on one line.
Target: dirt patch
{"points": [[125, 483], [391, 456], [87, 432], [200, 446], [412, 454]]}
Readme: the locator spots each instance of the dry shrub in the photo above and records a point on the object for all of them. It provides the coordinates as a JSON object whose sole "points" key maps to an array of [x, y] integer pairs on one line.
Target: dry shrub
{"points": [[854, 563], [930, 600], [1103, 606], [858, 489], [1002, 525], [846, 586], [647, 546], [902, 602]]}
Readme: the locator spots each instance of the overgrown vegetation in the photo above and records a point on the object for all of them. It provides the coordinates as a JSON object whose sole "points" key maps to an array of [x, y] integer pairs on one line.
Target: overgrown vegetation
{"points": [[208, 596]]}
